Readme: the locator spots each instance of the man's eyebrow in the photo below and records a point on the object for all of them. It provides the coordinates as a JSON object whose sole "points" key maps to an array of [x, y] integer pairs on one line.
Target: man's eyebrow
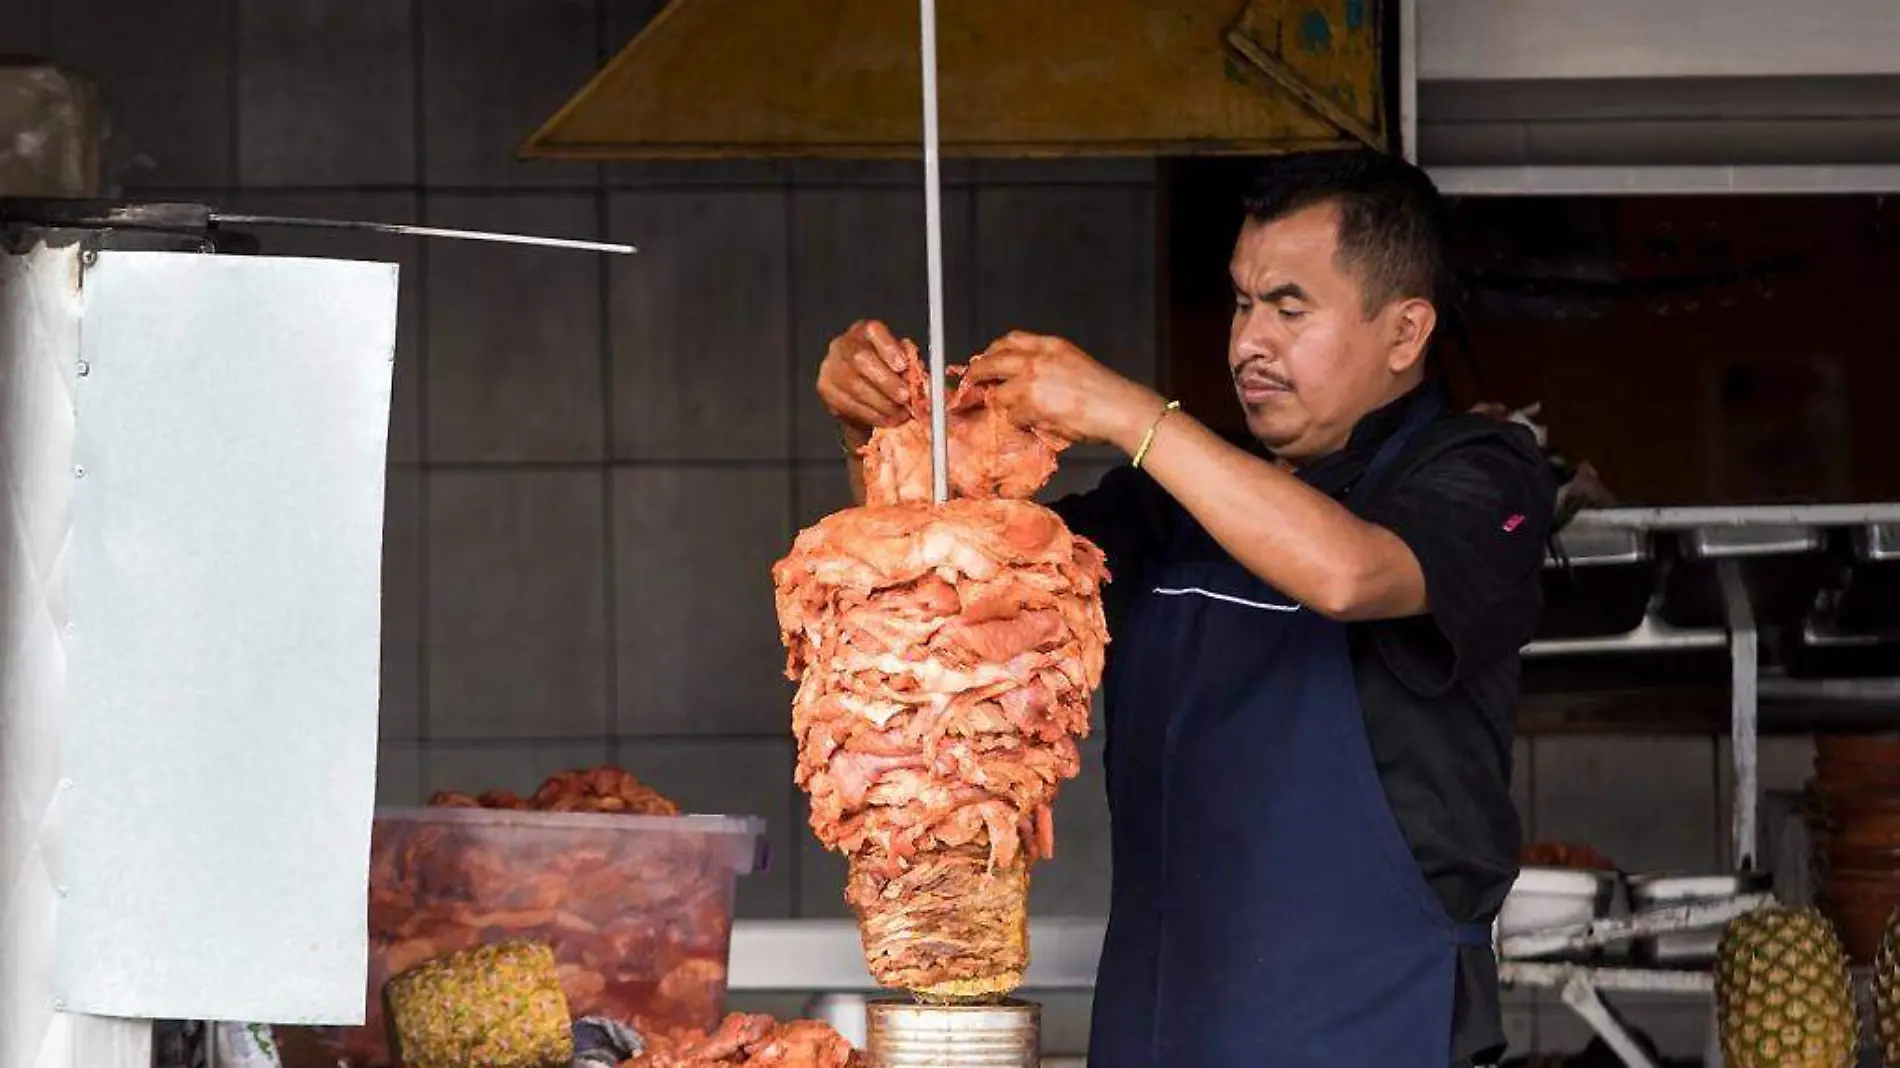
{"points": [[1283, 291]]}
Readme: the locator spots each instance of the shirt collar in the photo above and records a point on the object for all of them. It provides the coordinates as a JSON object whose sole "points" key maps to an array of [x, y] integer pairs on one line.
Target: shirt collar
{"points": [[1336, 472]]}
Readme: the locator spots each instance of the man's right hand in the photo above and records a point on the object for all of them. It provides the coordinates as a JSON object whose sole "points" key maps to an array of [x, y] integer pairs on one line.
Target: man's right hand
{"points": [[861, 381]]}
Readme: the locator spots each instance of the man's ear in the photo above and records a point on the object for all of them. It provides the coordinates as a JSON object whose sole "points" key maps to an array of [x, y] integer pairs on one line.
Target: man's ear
{"points": [[1410, 325]]}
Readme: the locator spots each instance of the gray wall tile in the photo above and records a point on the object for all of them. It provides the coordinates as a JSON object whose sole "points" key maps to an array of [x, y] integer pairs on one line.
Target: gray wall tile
{"points": [[398, 775], [908, 174], [1113, 170], [731, 175], [1079, 263], [517, 612], [1075, 881], [517, 767], [1646, 803], [859, 254], [165, 69], [731, 778], [301, 122], [402, 606], [492, 72], [821, 873], [515, 359], [699, 649], [819, 490], [406, 404], [699, 325]]}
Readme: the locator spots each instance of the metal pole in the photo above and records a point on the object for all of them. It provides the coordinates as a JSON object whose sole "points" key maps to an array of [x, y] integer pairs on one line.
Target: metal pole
{"points": [[1744, 675], [404, 230], [933, 245]]}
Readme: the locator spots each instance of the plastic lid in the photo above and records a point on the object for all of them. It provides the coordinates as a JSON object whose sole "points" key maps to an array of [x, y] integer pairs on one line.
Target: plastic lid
{"points": [[748, 854]]}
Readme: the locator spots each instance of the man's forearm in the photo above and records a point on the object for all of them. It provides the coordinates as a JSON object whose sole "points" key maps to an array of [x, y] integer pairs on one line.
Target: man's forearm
{"points": [[1302, 542]]}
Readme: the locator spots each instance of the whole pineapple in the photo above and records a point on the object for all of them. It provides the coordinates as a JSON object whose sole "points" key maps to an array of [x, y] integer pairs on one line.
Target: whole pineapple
{"points": [[1887, 991], [1783, 994]]}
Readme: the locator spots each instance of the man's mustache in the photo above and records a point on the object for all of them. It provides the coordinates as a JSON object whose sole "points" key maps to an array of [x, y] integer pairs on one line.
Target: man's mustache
{"points": [[1256, 371]]}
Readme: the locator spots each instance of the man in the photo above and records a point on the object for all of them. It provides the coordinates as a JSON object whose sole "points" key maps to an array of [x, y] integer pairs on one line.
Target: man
{"points": [[1312, 684]]}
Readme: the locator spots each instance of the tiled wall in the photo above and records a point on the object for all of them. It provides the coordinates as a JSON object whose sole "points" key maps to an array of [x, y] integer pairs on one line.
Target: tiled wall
{"points": [[595, 461]]}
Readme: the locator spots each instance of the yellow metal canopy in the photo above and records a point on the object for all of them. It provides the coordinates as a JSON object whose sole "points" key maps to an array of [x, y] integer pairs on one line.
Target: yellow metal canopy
{"points": [[841, 78]]}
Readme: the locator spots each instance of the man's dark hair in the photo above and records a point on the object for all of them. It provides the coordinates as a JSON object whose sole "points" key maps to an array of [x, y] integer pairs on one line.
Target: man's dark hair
{"points": [[1391, 217]]}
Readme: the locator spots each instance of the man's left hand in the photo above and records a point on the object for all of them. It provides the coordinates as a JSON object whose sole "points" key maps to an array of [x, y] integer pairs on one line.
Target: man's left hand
{"points": [[1052, 385]]}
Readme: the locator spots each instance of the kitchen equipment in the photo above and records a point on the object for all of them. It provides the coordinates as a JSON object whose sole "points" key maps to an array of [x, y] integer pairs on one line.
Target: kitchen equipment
{"points": [[1598, 582], [638, 909], [1853, 627], [198, 221], [1871, 601], [1661, 890], [1556, 900], [1781, 565], [907, 1034]]}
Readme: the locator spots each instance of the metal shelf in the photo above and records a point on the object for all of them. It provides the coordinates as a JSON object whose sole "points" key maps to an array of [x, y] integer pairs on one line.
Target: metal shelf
{"points": [[1652, 635], [1553, 975], [1746, 180], [1779, 515]]}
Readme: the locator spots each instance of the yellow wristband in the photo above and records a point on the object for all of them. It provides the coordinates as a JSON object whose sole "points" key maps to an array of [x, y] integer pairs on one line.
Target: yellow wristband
{"points": [[1148, 439]]}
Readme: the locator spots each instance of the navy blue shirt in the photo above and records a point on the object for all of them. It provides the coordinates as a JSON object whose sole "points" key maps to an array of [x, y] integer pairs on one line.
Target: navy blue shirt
{"points": [[1472, 497]]}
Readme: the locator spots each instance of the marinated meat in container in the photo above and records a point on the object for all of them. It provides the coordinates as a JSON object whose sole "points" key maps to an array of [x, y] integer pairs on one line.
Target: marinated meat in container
{"points": [[636, 909]]}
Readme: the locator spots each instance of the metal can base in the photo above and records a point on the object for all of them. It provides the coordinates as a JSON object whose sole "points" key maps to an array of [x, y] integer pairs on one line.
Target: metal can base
{"points": [[908, 1034]]}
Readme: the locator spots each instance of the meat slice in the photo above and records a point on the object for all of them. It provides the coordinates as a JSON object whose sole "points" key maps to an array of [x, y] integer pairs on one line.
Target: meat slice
{"points": [[945, 656], [989, 456], [751, 1041]]}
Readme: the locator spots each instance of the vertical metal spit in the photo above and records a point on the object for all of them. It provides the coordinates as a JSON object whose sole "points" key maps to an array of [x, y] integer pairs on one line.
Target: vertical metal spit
{"points": [[933, 245]]}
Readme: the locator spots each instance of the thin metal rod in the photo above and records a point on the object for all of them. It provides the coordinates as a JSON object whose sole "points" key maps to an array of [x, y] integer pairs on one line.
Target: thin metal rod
{"points": [[1745, 676], [933, 251], [423, 231]]}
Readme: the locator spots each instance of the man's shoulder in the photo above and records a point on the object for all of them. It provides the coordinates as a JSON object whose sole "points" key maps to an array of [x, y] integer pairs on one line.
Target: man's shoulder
{"points": [[1467, 446], [1466, 463], [1471, 432]]}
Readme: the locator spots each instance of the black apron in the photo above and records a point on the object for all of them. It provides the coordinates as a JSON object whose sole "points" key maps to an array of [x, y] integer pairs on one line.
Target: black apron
{"points": [[1266, 910]]}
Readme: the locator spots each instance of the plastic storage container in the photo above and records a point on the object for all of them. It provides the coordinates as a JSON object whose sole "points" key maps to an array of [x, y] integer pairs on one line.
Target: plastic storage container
{"points": [[1545, 898], [637, 908], [1664, 890]]}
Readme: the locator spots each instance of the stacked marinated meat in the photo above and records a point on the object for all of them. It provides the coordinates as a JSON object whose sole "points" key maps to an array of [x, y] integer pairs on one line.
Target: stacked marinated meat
{"points": [[751, 1041], [945, 656]]}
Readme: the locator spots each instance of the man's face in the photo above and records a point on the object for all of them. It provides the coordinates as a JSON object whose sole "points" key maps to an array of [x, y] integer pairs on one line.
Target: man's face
{"points": [[1308, 362]]}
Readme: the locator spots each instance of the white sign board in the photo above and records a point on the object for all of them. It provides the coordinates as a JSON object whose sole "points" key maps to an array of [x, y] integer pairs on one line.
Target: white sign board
{"points": [[222, 656]]}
